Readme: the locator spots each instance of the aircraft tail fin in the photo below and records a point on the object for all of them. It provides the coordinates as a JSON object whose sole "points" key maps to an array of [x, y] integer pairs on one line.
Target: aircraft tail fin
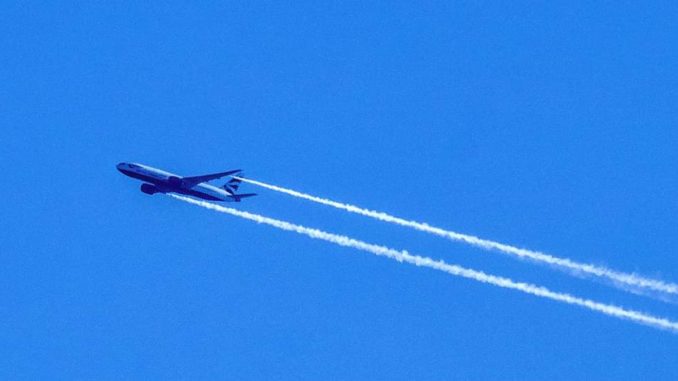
{"points": [[232, 186]]}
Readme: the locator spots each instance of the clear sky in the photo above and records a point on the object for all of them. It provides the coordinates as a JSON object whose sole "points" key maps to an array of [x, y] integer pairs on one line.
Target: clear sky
{"points": [[547, 126]]}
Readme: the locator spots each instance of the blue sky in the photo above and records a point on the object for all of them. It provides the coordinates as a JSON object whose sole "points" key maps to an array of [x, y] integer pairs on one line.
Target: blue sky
{"points": [[548, 126]]}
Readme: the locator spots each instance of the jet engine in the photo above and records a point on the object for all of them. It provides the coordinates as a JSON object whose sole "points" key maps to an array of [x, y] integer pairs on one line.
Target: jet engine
{"points": [[149, 189]]}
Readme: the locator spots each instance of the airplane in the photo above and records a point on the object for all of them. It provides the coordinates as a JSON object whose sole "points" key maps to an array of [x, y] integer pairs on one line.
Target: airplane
{"points": [[159, 181]]}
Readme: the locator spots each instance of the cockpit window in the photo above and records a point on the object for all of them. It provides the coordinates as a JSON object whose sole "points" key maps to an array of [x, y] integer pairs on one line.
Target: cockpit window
{"points": [[133, 166]]}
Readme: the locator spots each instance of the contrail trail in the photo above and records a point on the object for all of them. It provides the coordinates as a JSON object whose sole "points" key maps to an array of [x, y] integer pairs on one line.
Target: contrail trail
{"points": [[616, 277], [404, 256]]}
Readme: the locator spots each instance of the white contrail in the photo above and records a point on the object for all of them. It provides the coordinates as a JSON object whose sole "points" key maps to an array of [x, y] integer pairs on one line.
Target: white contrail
{"points": [[404, 256], [617, 277]]}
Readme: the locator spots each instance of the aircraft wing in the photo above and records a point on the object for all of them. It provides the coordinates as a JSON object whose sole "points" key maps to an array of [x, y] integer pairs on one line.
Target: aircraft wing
{"points": [[195, 180]]}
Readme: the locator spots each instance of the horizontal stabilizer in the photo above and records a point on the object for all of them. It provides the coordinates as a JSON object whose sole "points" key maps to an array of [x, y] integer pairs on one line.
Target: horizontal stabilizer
{"points": [[238, 197]]}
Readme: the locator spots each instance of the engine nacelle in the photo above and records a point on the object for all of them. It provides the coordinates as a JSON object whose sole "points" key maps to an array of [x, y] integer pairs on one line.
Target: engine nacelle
{"points": [[149, 189]]}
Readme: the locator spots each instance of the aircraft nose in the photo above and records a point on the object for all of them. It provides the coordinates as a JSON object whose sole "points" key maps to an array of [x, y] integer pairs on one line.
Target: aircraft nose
{"points": [[120, 166]]}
